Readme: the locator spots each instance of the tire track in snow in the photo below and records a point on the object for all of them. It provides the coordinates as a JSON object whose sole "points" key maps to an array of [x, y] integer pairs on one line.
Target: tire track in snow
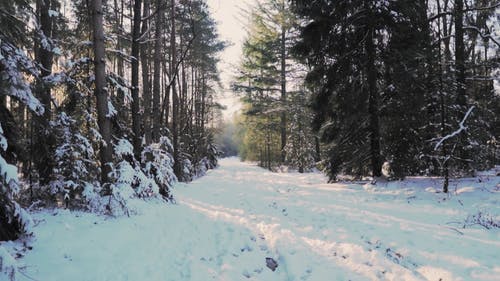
{"points": [[332, 225], [285, 243]]}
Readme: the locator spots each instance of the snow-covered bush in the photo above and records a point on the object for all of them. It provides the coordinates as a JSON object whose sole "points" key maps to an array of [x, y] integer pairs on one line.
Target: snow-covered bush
{"points": [[202, 155], [202, 167], [14, 220], [187, 168], [76, 164], [131, 181], [213, 154], [208, 162], [483, 219], [158, 164]]}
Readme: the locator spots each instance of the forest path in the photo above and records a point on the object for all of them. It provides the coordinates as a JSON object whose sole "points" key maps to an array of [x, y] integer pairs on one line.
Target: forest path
{"points": [[318, 231], [227, 223]]}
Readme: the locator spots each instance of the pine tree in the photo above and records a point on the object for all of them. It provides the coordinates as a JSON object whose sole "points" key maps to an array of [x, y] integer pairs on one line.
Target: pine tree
{"points": [[341, 44], [300, 147], [15, 67], [264, 74]]}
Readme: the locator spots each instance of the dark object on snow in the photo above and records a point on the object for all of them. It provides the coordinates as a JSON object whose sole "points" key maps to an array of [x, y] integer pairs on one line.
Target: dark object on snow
{"points": [[271, 264]]}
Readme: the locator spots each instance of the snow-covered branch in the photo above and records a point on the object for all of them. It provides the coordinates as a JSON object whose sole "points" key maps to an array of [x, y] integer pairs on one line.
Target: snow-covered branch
{"points": [[484, 36], [461, 128]]}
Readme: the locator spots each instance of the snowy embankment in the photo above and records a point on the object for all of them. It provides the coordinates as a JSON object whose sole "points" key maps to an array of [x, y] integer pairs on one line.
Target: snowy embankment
{"points": [[226, 224]]}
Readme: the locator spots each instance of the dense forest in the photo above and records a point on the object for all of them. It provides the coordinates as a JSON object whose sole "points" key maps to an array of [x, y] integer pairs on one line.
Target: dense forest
{"points": [[103, 100], [100, 100], [399, 88]]}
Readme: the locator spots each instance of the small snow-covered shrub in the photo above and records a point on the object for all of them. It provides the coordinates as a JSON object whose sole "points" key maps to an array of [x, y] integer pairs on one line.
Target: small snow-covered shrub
{"points": [[213, 153], [187, 168], [152, 178], [485, 220], [209, 158], [202, 167], [131, 181], [158, 165], [76, 164]]}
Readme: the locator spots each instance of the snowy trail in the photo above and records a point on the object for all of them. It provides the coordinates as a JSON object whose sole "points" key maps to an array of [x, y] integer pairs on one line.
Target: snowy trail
{"points": [[227, 223], [342, 233]]}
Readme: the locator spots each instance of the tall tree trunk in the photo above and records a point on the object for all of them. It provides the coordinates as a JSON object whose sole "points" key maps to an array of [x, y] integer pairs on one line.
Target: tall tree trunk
{"points": [[373, 97], [443, 112], [146, 85], [136, 118], [106, 148], [203, 103], [446, 30], [183, 101], [283, 91], [157, 71], [165, 112], [461, 97], [460, 53], [120, 65], [44, 140], [175, 99], [317, 155]]}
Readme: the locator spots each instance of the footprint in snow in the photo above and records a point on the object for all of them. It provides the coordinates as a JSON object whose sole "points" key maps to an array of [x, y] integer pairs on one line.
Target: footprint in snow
{"points": [[306, 274]]}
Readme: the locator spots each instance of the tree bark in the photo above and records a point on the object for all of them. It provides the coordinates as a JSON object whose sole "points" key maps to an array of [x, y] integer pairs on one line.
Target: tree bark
{"points": [[157, 71], [104, 122], [373, 98], [442, 109], [120, 65], [136, 118], [460, 53], [44, 140], [461, 97], [146, 85], [283, 92], [175, 99]]}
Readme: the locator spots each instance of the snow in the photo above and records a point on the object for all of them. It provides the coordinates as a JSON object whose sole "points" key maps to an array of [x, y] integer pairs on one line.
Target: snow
{"points": [[3, 140], [15, 63], [111, 110], [57, 51], [461, 128], [8, 172], [228, 224], [124, 148], [53, 13], [7, 265]]}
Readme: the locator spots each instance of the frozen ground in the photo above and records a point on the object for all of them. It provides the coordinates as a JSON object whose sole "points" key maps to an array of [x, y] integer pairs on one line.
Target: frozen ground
{"points": [[226, 224]]}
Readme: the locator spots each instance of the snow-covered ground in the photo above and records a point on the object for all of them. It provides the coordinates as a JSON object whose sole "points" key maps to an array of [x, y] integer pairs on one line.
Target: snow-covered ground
{"points": [[226, 224]]}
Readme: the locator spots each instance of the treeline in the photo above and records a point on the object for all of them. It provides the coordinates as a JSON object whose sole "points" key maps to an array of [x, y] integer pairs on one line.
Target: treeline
{"points": [[275, 126], [402, 86], [103, 100]]}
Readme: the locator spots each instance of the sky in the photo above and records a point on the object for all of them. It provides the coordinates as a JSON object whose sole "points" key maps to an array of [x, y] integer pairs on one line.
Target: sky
{"points": [[230, 21]]}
